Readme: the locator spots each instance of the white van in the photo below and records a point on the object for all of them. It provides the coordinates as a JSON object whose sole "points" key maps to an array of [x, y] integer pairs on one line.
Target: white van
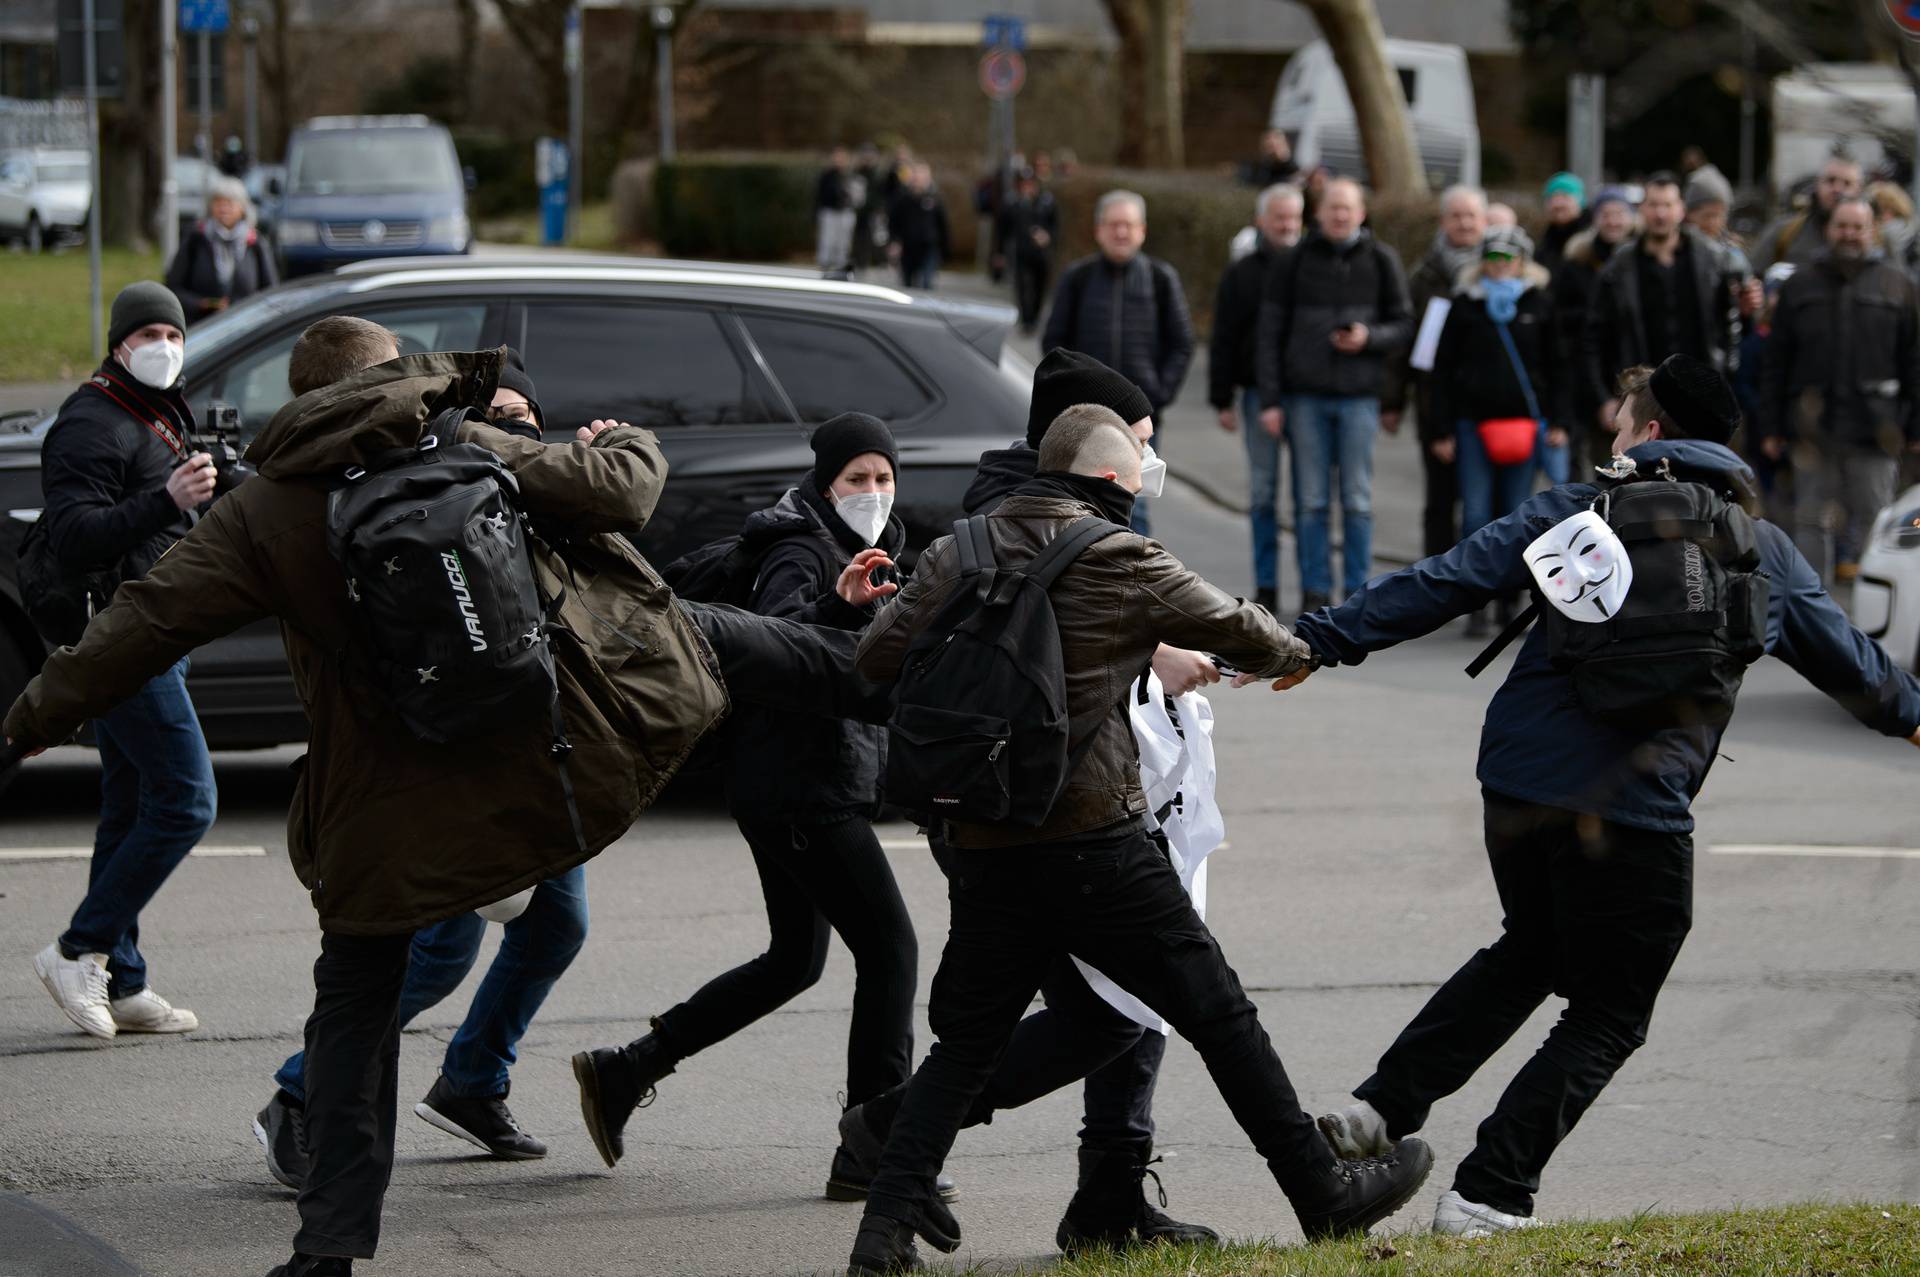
{"points": [[1311, 106], [1863, 105]]}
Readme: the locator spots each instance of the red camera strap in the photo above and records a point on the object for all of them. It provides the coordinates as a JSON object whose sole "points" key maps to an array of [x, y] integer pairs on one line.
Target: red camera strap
{"points": [[104, 382]]}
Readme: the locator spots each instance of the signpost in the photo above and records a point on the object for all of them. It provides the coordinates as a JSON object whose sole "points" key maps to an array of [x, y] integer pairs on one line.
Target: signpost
{"points": [[169, 132], [576, 111], [92, 56], [552, 173], [205, 18], [1003, 72]]}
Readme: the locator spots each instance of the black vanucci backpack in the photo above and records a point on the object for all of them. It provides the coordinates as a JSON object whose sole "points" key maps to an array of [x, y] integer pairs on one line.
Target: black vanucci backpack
{"points": [[434, 547], [1694, 618], [979, 727]]}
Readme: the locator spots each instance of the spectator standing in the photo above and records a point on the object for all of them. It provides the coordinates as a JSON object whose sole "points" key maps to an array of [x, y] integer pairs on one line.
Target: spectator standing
{"points": [[1126, 309], [917, 228], [1893, 213], [224, 259], [1287, 206], [869, 212], [1499, 214], [1574, 281], [1234, 380], [1709, 196], [1335, 310], [1801, 236], [1455, 249], [119, 487], [1027, 229], [834, 212], [1672, 291], [1565, 196], [1274, 164], [1840, 387], [1747, 382]]}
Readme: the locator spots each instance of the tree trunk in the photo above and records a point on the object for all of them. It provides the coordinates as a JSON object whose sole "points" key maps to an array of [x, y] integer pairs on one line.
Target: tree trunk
{"points": [[1129, 18], [1352, 30], [467, 49], [539, 27], [1166, 83], [130, 135], [276, 72]]}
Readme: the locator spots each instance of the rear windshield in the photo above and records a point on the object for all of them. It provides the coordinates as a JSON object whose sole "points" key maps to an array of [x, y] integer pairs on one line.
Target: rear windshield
{"points": [[62, 172], [373, 162]]}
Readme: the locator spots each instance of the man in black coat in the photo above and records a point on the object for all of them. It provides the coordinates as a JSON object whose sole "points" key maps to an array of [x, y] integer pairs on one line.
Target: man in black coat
{"points": [[917, 222], [120, 484], [1024, 237], [1839, 387], [1126, 309]]}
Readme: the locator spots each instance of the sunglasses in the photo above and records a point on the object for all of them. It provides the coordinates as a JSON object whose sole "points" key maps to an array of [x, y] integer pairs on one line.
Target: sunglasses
{"points": [[1501, 257]]}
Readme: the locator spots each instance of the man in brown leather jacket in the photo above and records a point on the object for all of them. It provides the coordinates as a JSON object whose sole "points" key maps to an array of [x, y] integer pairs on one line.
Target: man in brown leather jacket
{"points": [[1090, 880]]}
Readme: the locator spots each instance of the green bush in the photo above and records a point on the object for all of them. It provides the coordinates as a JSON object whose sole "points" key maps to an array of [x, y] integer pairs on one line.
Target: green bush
{"points": [[502, 170], [744, 207]]}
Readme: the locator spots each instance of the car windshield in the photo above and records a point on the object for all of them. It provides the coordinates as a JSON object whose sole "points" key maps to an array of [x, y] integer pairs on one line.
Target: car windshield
{"points": [[245, 317], [63, 171], [373, 162]]}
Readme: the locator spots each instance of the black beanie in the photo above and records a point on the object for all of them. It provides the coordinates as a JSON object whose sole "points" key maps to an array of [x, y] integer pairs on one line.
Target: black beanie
{"points": [[1067, 377], [513, 376], [140, 304], [1696, 397], [840, 439]]}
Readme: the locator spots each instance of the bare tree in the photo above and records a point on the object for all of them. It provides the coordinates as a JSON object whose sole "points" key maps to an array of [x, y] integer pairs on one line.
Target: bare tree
{"points": [[130, 134], [539, 27], [1153, 85], [1353, 31], [467, 17]]}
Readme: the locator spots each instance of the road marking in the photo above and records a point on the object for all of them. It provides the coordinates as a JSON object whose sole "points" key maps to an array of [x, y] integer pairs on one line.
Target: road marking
{"points": [[1814, 849], [86, 853]]}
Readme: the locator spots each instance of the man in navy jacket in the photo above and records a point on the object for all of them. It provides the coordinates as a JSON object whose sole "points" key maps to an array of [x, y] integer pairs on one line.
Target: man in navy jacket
{"points": [[1589, 829]]}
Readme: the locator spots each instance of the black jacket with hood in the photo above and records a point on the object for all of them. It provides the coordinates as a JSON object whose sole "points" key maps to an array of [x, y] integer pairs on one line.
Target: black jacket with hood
{"points": [[799, 767]]}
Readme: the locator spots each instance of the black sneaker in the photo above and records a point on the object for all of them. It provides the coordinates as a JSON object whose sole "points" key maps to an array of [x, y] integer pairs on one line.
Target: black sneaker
{"points": [[863, 1136], [281, 1128], [1349, 1197], [485, 1123], [614, 1081], [314, 1266]]}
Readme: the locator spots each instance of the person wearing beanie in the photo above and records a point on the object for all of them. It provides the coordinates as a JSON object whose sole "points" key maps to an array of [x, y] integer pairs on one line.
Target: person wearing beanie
{"points": [[805, 791], [468, 1099], [1591, 849], [1565, 197], [120, 482], [1840, 389], [1709, 198]]}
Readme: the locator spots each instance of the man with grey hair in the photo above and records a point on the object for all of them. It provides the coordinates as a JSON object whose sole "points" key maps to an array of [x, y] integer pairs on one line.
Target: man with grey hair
{"points": [[1126, 309], [1090, 880], [1233, 376], [1279, 213], [224, 259]]}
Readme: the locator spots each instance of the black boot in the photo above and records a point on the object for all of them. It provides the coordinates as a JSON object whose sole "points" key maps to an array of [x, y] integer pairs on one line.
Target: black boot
{"points": [[1267, 597], [883, 1246], [863, 1136], [614, 1081], [1348, 1197], [314, 1266], [1110, 1208]]}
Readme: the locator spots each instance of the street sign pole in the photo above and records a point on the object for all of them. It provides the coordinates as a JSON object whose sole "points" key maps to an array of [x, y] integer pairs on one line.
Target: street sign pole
{"points": [[663, 75], [205, 140], [169, 131], [250, 29], [93, 175], [576, 110]]}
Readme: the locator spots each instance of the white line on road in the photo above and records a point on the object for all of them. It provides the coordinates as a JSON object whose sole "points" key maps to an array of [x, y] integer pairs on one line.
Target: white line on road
{"points": [[1814, 849], [86, 853]]}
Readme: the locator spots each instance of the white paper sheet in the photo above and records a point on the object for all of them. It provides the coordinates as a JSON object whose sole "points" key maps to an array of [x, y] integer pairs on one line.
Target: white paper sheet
{"points": [[1427, 344]]}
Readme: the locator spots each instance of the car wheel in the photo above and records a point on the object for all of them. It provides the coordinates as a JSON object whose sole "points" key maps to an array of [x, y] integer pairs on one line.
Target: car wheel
{"points": [[14, 674], [36, 237]]}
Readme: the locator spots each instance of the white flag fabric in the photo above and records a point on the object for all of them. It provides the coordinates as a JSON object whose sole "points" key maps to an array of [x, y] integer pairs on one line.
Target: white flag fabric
{"points": [[1427, 343]]}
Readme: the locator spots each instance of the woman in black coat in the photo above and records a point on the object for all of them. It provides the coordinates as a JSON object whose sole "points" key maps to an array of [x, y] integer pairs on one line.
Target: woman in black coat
{"points": [[224, 259]]}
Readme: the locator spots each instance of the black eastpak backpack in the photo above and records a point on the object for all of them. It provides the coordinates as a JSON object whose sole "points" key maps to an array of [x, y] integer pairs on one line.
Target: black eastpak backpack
{"points": [[1694, 618], [979, 726], [434, 547]]}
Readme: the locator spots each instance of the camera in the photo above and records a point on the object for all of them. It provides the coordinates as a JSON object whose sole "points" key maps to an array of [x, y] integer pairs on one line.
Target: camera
{"points": [[219, 438]]}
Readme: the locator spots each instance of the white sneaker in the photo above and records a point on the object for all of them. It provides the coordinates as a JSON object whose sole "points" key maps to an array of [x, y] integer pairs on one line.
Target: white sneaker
{"points": [[148, 1012], [78, 986], [1455, 1216], [1356, 1131]]}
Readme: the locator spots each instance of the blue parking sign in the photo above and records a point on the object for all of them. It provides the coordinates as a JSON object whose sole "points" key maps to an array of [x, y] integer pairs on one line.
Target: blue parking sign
{"points": [[209, 16]]}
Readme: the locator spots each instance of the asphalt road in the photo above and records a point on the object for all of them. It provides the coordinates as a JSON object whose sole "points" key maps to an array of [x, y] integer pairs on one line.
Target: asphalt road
{"points": [[1784, 1063]]}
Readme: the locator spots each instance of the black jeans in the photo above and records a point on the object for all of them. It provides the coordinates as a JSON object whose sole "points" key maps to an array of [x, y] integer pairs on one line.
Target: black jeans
{"points": [[1116, 902], [1595, 912], [1440, 523], [1031, 271], [353, 1074], [817, 879]]}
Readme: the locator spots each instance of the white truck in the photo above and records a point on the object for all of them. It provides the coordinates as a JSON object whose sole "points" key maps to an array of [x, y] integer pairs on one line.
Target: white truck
{"points": [[1312, 108], [1865, 106]]}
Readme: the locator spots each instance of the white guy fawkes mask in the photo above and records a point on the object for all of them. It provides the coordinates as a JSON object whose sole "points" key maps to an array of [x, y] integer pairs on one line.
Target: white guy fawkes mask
{"points": [[1581, 567]]}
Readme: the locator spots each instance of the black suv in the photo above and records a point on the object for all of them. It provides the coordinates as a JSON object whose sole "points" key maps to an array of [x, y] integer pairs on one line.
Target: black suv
{"points": [[730, 366]]}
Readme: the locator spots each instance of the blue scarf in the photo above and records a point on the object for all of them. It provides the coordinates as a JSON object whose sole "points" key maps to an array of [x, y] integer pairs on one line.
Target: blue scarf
{"points": [[1503, 298]]}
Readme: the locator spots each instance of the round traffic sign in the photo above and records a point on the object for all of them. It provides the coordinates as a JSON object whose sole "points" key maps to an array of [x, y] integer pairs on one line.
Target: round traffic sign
{"points": [[1002, 73], [1905, 15]]}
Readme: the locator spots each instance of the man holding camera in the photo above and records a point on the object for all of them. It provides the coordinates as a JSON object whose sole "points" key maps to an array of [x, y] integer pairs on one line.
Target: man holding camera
{"points": [[121, 481]]}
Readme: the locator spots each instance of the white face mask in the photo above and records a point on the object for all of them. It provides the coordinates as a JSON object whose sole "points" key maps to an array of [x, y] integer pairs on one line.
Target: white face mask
{"points": [[865, 512], [1581, 567], [1153, 472], [156, 364]]}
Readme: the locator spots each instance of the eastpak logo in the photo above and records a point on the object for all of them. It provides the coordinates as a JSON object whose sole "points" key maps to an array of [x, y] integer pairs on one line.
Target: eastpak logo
{"points": [[457, 578]]}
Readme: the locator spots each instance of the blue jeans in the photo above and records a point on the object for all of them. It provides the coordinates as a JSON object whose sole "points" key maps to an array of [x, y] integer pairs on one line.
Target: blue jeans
{"points": [[1263, 492], [1487, 491], [537, 949], [157, 800], [1329, 433]]}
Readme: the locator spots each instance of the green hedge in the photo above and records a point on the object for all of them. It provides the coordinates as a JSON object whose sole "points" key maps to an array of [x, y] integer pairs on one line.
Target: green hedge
{"points": [[744, 207], [502, 170]]}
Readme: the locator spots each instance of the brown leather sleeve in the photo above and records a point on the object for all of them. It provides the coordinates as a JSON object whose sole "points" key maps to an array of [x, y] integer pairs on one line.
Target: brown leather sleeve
{"points": [[1190, 612], [884, 645]]}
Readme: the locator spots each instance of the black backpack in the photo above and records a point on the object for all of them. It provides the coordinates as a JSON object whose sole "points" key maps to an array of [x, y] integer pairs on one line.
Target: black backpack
{"points": [[1694, 618], [979, 726], [434, 547], [59, 600]]}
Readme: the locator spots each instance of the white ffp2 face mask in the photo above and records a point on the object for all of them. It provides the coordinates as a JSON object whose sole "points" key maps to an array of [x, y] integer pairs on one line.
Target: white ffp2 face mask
{"points": [[1581, 567], [156, 364], [865, 512], [1153, 472]]}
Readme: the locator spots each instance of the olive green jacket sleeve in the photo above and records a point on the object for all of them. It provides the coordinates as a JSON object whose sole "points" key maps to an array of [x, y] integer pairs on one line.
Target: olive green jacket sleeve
{"points": [[609, 485]]}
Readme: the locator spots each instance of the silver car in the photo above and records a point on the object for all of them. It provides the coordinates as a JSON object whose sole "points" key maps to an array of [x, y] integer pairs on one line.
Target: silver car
{"points": [[44, 195], [1886, 594]]}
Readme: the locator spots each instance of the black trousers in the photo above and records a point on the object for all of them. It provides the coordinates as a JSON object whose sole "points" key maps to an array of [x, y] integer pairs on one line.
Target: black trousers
{"points": [[1596, 913], [1115, 901], [1031, 273], [818, 879], [1440, 525], [785, 665], [353, 1075]]}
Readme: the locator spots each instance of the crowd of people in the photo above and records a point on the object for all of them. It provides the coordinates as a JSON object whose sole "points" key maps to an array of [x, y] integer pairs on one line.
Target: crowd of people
{"points": [[870, 210]]}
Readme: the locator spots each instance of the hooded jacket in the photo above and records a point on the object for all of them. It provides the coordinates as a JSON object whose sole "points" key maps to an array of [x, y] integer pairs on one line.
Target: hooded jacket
{"points": [[1473, 376], [389, 833], [1316, 287], [1000, 471], [1615, 335], [1132, 318], [1573, 283], [1538, 745], [803, 767], [104, 467], [1843, 360]]}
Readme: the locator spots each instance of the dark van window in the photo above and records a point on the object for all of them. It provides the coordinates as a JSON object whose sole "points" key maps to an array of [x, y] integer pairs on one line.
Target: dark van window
{"points": [[651, 365], [828, 369]]}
